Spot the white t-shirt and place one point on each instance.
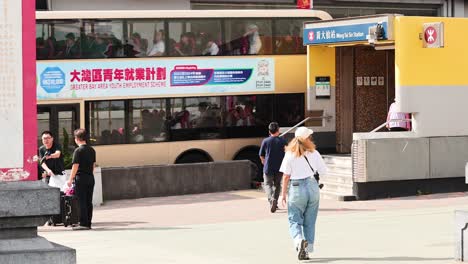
(255, 43)
(212, 50)
(298, 168)
(158, 47)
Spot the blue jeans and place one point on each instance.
(303, 204)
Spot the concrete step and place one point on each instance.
(337, 178)
(328, 195)
(344, 189)
(342, 161)
(339, 170)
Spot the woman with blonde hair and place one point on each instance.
(299, 165)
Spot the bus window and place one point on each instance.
(196, 112)
(145, 38)
(102, 39)
(288, 36)
(248, 37)
(248, 110)
(195, 37)
(247, 115)
(57, 39)
(294, 103)
(107, 122)
(195, 118)
(147, 120)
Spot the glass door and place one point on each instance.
(61, 120)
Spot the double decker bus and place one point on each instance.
(165, 87)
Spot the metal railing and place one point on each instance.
(327, 117)
(391, 120)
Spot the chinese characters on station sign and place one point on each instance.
(158, 77)
(352, 30)
(347, 33)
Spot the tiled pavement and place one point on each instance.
(236, 227)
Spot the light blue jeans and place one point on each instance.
(303, 204)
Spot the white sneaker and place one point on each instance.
(301, 250)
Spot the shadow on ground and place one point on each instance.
(402, 259)
(346, 210)
(172, 200)
(112, 226)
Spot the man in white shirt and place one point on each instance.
(211, 47)
(159, 47)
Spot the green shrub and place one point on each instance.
(67, 156)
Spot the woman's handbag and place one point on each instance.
(316, 174)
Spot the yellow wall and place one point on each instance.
(290, 73)
(419, 66)
(432, 83)
(321, 63)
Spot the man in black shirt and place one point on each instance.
(84, 160)
(50, 155)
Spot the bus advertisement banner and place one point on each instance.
(146, 77)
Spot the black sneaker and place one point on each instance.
(274, 206)
(301, 250)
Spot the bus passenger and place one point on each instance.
(255, 43)
(101, 47)
(210, 46)
(146, 124)
(51, 45)
(71, 48)
(42, 53)
(291, 43)
(185, 47)
(240, 116)
(159, 47)
(139, 45)
(248, 112)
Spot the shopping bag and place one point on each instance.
(59, 181)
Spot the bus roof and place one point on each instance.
(115, 14)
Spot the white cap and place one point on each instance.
(303, 132)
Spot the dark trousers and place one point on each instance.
(272, 185)
(84, 187)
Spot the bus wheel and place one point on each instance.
(252, 155)
(193, 157)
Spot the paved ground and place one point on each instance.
(236, 227)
